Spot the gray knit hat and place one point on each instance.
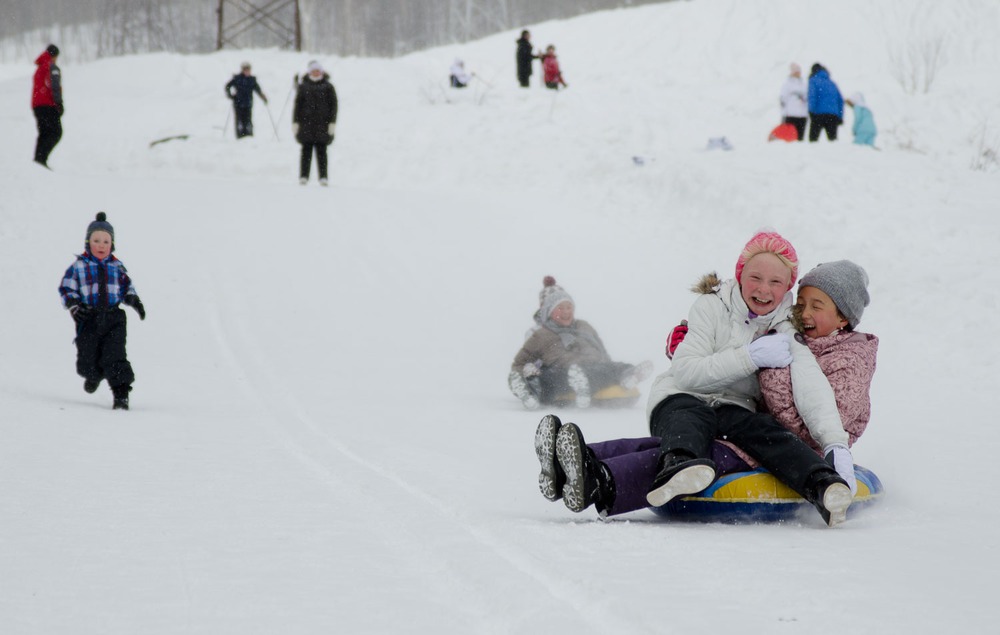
(100, 223)
(551, 296)
(847, 285)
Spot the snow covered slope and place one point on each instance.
(321, 437)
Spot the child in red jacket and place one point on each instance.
(550, 66)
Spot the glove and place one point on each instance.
(80, 312)
(265, 99)
(838, 456)
(295, 129)
(61, 109)
(531, 369)
(134, 302)
(771, 351)
(331, 128)
(676, 337)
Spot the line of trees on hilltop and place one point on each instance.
(378, 28)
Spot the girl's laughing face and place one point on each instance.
(764, 282)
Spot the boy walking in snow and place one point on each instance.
(92, 289)
(47, 104)
(241, 89)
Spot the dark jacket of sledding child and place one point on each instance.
(563, 354)
(92, 289)
(864, 123)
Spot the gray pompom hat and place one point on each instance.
(847, 285)
(100, 223)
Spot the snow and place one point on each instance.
(321, 438)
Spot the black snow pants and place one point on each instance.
(244, 122)
(686, 423)
(305, 163)
(49, 132)
(819, 123)
(100, 348)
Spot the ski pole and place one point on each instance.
(229, 113)
(295, 83)
(267, 107)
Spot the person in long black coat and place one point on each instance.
(314, 120)
(525, 57)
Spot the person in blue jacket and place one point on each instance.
(826, 105)
(241, 89)
(864, 123)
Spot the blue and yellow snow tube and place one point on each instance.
(756, 496)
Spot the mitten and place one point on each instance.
(79, 312)
(771, 351)
(61, 109)
(134, 302)
(840, 458)
(531, 369)
(295, 129)
(676, 337)
(331, 128)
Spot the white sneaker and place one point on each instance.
(303, 181)
(324, 182)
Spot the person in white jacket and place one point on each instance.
(710, 391)
(794, 103)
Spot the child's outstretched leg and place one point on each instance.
(551, 479)
(588, 481)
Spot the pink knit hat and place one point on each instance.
(769, 242)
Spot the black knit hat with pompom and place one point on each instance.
(100, 224)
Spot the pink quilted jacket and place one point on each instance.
(848, 361)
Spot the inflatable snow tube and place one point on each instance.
(611, 397)
(756, 496)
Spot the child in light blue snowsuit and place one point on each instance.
(864, 123)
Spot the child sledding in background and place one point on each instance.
(692, 406)
(562, 354)
(92, 289)
(864, 123)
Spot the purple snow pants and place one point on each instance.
(634, 464)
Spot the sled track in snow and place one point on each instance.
(305, 443)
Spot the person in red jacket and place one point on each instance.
(550, 67)
(47, 103)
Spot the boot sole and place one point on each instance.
(545, 450)
(569, 453)
(687, 481)
(836, 499)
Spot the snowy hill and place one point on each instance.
(321, 437)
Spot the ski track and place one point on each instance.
(284, 410)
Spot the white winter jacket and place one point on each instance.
(713, 364)
(794, 101)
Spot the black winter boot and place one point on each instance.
(121, 397)
(831, 496)
(551, 479)
(588, 481)
(680, 474)
(90, 385)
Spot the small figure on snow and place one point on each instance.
(459, 78)
(525, 56)
(564, 356)
(826, 105)
(550, 66)
(794, 107)
(240, 89)
(864, 123)
(314, 120)
(92, 289)
(47, 103)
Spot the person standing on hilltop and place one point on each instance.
(47, 103)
